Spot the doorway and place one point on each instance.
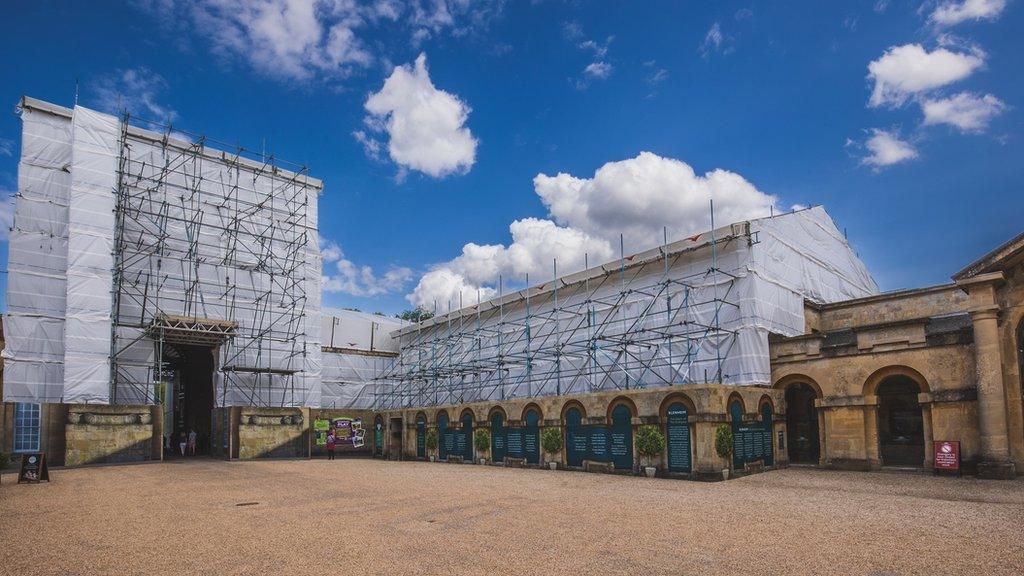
(802, 424)
(190, 402)
(900, 423)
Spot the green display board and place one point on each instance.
(751, 441)
(320, 429)
(445, 439)
(531, 437)
(421, 438)
(498, 437)
(677, 424)
(378, 437)
(600, 443)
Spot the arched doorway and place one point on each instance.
(465, 442)
(620, 435)
(804, 444)
(531, 438)
(900, 422)
(421, 436)
(498, 435)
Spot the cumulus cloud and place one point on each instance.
(637, 197)
(952, 12)
(886, 148)
(442, 286)
(362, 281)
(425, 126)
(600, 70)
(909, 70)
(136, 90)
(966, 111)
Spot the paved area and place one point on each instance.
(372, 517)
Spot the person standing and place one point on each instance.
(331, 440)
(192, 438)
(182, 443)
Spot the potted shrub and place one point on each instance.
(482, 442)
(431, 442)
(551, 442)
(650, 443)
(723, 446)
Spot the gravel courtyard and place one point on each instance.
(373, 517)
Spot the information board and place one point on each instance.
(421, 439)
(947, 455)
(677, 422)
(515, 443)
(531, 445)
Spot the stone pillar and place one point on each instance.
(984, 309)
(871, 446)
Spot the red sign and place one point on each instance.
(947, 455)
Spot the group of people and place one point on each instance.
(186, 442)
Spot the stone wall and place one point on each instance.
(99, 434)
(273, 433)
(709, 404)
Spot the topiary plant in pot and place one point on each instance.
(650, 443)
(723, 446)
(482, 442)
(551, 442)
(431, 442)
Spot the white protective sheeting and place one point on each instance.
(357, 345)
(87, 331)
(37, 262)
(644, 321)
(359, 330)
(348, 379)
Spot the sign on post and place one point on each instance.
(33, 468)
(947, 455)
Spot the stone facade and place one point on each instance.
(273, 433)
(101, 434)
(707, 403)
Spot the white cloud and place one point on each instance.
(637, 197)
(599, 70)
(909, 70)
(303, 40)
(965, 111)
(6, 147)
(441, 287)
(426, 127)
(136, 90)
(362, 281)
(712, 40)
(951, 12)
(887, 148)
(881, 6)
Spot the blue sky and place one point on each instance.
(918, 156)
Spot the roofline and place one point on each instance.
(209, 152)
(894, 294)
(991, 257)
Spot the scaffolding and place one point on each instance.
(214, 249)
(662, 318)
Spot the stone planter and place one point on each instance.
(431, 458)
(483, 461)
(650, 471)
(725, 474)
(553, 465)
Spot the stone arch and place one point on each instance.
(901, 430)
(882, 374)
(499, 410)
(765, 399)
(573, 404)
(791, 379)
(678, 457)
(805, 423)
(442, 412)
(621, 401)
(532, 406)
(421, 416)
(672, 399)
(733, 399)
(467, 410)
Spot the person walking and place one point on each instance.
(331, 440)
(192, 438)
(182, 443)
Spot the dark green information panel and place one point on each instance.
(677, 423)
(752, 441)
(446, 441)
(421, 439)
(378, 438)
(499, 437)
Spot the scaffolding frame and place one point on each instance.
(184, 247)
(577, 336)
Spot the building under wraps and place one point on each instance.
(160, 283)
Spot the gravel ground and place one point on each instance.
(372, 517)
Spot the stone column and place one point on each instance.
(871, 448)
(984, 309)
